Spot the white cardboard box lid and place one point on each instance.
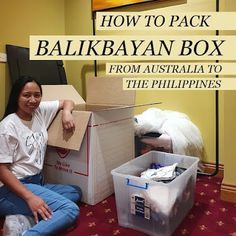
(60, 138)
(108, 91)
(71, 140)
(101, 91)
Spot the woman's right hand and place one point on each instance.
(39, 207)
(35, 203)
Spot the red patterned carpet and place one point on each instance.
(209, 217)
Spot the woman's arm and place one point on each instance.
(35, 203)
(67, 119)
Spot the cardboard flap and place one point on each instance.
(61, 92)
(97, 108)
(71, 140)
(109, 91)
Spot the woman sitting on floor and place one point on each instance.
(23, 141)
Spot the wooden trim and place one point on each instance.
(98, 5)
(210, 168)
(228, 193)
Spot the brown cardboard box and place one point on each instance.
(103, 138)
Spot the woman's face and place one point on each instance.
(28, 101)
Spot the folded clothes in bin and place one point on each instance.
(163, 173)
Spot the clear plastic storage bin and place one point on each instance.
(156, 208)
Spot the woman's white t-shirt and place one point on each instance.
(23, 144)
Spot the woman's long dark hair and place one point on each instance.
(12, 104)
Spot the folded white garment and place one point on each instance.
(163, 173)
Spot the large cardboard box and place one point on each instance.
(155, 208)
(103, 138)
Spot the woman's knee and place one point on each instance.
(78, 191)
(72, 210)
